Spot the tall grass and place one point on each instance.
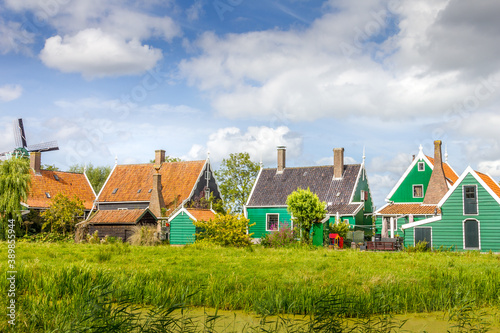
(55, 281)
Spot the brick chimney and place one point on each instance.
(159, 157)
(281, 158)
(437, 187)
(338, 162)
(156, 203)
(36, 162)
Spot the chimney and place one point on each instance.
(437, 187)
(156, 203)
(338, 162)
(281, 158)
(159, 157)
(36, 162)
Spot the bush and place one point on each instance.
(224, 230)
(282, 238)
(144, 236)
(420, 247)
(340, 228)
(47, 237)
(94, 238)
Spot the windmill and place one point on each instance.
(23, 149)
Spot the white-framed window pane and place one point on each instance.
(418, 191)
(272, 222)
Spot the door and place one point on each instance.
(471, 234)
(423, 234)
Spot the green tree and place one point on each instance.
(224, 230)
(169, 159)
(306, 209)
(63, 213)
(97, 175)
(236, 177)
(50, 167)
(15, 183)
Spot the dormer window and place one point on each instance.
(150, 190)
(139, 191)
(47, 194)
(115, 190)
(56, 177)
(421, 166)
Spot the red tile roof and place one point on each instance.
(409, 208)
(117, 216)
(201, 214)
(69, 184)
(490, 182)
(448, 171)
(177, 178)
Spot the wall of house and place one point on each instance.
(258, 216)
(182, 230)
(363, 186)
(119, 231)
(404, 193)
(199, 190)
(449, 230)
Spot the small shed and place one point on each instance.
(120, 223)
(182, 229)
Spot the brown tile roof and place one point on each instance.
(178, 180)
(69, 184)
(117, 216)
(201, 214)
(272, 189)
(490, 182)
(448, 171)
(409, 208)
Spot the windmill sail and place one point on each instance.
(19, 134)
(46, 146)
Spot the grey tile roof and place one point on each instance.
(272, 188)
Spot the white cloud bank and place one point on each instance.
(10, 92)
(96, 54)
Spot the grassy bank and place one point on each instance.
(57, 280)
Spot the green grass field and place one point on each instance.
(57, 283)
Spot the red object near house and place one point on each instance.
(337, 240)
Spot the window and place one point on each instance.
(207, 175)
(418, 191)
(362, 196)
(207, 193)
(421, 166)
(56, 177)
(139, 191)
(150, 190)
(471, 235)
(470, 199)
(115, 190)
(272, 222)
(47, 195)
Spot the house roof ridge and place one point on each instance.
(313, 166)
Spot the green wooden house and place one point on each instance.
(405, 202)
(469, 220)
(344, 188)
(182, 229)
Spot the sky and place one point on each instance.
(115, 79)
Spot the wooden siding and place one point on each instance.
(449, 230)
(404, 193)
(125, 205)
(182, 230)
(363, 186)
(258, 216)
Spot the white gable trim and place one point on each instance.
(356, 184)
(182, 210)
(197, 181)
(467, 171)
(420, 156)
(421, 222)
(253, 187)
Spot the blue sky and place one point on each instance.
(113, 78)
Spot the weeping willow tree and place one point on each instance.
(14, 187)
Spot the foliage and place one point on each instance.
(168, 159)
(33, 222)
(306, 209)
(225, 230)
(47, 237)
(63, 213)
(142, 235)
(282, 238)
(236, 177)
(212, 203)
(15, 183)
(340, 227)
(97, 175)
(94, 238)
(420, 247)
(50, 167)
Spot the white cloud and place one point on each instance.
(96, 54)
(14, 38)
(194, 12)
(490, 167)
(334, 68)
(259, 142)
(10, 92)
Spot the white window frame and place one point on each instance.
(414, 243)
(362, 195)
(413, 191)
(478, 234)
(421, 168)
(267, 216)
(463, 200)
